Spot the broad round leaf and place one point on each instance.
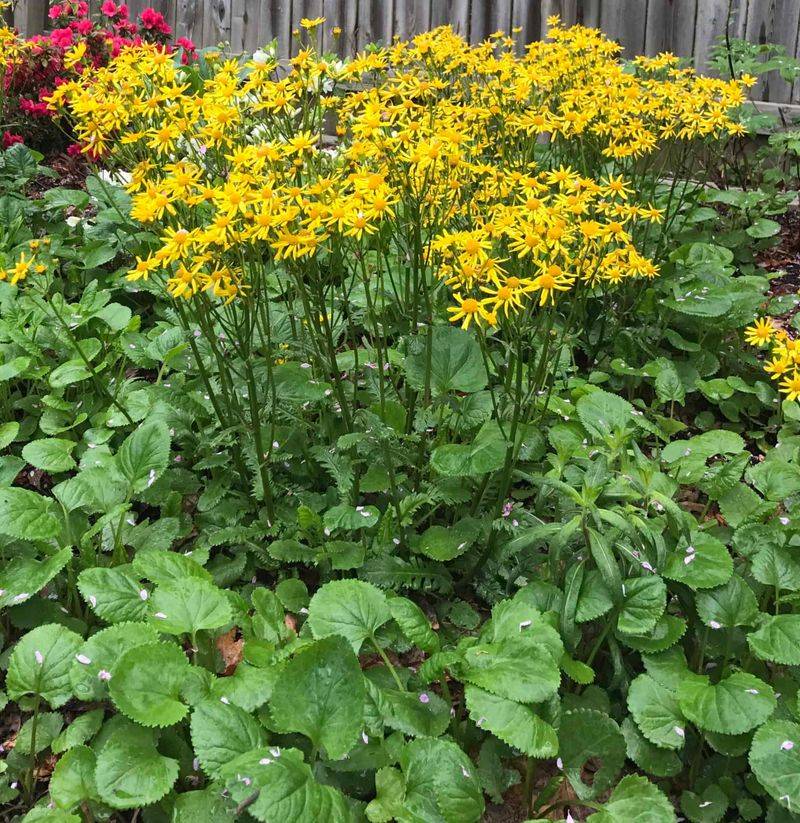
(51, 454)
(26, 515)
(649, 758)
(320, 693)
(777, 639)
(100, 654)
(584, 735)
(22, 577)
(702, 563)
(455, 364)
(735, 705)
(644, 601)
(448, 542)
(350, 608)
(635, 800)
(414, 624)
(221, 732)
(514, 723)
(733, 604)
(656, 712)
(72, 781)
(188, 606)
(40, 664)
(775, 761)
(130, 771)
(115, 594)
(144, 455)
(146, 682)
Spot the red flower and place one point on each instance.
(109, 8)
(153, 20)
(10, 139)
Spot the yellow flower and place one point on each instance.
(467, 310)
(760, 333)
(790, 386)
(309, 23)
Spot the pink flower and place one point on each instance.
(54, 12)
(109, 8)
(153, 20)
(10, 139)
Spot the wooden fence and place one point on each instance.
(686, 27)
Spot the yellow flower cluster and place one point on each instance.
(784, 364)
(509, 175)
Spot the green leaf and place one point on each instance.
(775, 479)
(645, 599)
(414, 624)
(456, 363)
(441, 783)
(594, 599)
(635, 800)
(130, 772)
(144, 455)
(445, 543)
(8, 433)
(656, 712)
(350, 608)
(777, 639)
(26, 515)
(514, 723)
(68, 373)
(762, 227)
(775, 761)
(725, 607)
(735, 705)
(114, 594)
(703, 563)
(52, 454)
(351, 517)
(515, 668)
(201, 806)
(486, 453)
(667, 632)
(22, 577)
(220, 732)
(775, 566)
(146, 683)
(588, 735)
(390, 789)
(72, 781)
(648, 757)
(101, 652)
(188, 606)
(320, 693)
(286, 788)
(40, 664)
(167, 566)
(409, 714)
(603, 413)
(708, 807)
(84, 727)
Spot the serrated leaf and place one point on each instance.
(130, 772)
(221, 732)
(84, 727)
(40, 664)
(407, 713)
(146, 684)
(644, 601)
(167, 567)
(286, 788)
(143, 456)
(648, 757)
(72, 781)
(702, 563)
(707, 807)
(514, 723)
(666, 633)
(455, 364)
(515, 668)
(51, 454)
(352, 609)
(603, 413)
(320, 693)
(584, 735)
(100, 654)
(114, 594)
(735, 705)
(635, 800)
(593, 599)
(445, 543)
(26, 515)
(777, 639)
(188, 606)
(413, 623)
(733, 604)
(774, 566)
(441, 783)
(775, 761)
(22, 577)
(656, 712)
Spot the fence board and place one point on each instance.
(688, 28)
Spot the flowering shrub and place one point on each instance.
(77, 45)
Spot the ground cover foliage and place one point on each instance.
(429, 473)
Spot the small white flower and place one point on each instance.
(705, 804)
(714, 624)
(396, 541)
(160, 615)
(424, 698)
(524, 624)
(480, 721)
(275, 752)
(688, 559)
(92, 600)
(195, 764)
(679, 731)
(464, 772)
(151, 478)
(224, 700)
(83, 659)
(752, 691)
(143, 594)
(275, 445)
(21, 596)
(365, 738)
(787, 745)
(784, 521)
(104, 675)
(559, 764)
(265, 761)
(690, 550)
(39, 657)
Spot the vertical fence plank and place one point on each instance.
(189, 21)
(625, 23)
(773, 21)
(30, 17)
(589, 12)
(526, 19)
(713, 18)
(684, 27)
